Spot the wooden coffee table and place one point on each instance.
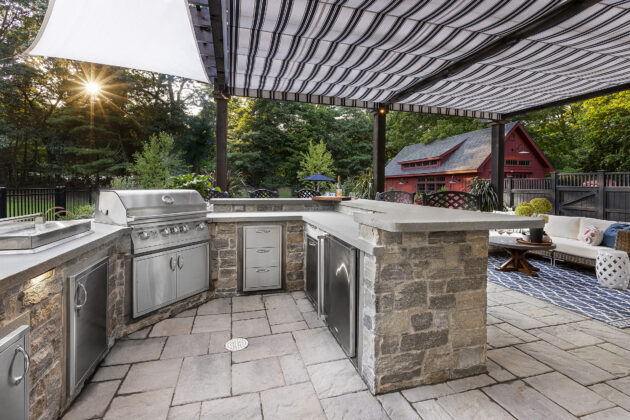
(518, 251)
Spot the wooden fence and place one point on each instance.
(602, 195)
(23, 201)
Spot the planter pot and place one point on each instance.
(536, 235)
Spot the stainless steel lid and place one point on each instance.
(122, 207)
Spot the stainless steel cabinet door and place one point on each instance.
(154, 279)
(192, 271)
(88, 335)
(14, 386)
(340, 293)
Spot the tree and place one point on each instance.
(157, 162)
(317, 160)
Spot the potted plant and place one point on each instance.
(537, 207)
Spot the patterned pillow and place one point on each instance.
(593, 236)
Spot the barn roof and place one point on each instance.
(474, 149)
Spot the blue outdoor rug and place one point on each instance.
(576, 290)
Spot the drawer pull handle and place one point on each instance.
(172, 264)
(263, 231)
(262, 251)
(180, 262)
(262, 270)
(27, 365)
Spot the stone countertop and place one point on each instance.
(337, 224)
(35, 263)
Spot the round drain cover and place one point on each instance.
(236, 344)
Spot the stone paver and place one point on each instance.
(293, 369)
(562, 361)
(211, 323)
(133, 351)
(203, 378)
(498, 373)
(600, 330)
(186, 345)
(524, 402)
(610, 362)
(291, 402)
(216, 307)
(292, 326)
(517, 362)
(430, 409)
(335, 378)
(149, 376)
(266, 346)
(515, 318)
(472, 405)
(217, 342)
(304, 305)
(279, 301)
(500, 338)
(107, 373)
(612, 394)
(284, 315)
(427, 392)
(93, 401)
(615, 413)
(152, 405)
(247, 303)
(565, 337)
(185, 412)
(172, 326)
(397, 407)
(361, 405)
(246, 407)
(140, 334)
(317, 346)
(239, 316)
(187, 313)
(575, 398)
(471, 382)
(250, 328)
(312, 320)
(622, 384)
(257, 375)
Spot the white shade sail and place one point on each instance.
(152, 35)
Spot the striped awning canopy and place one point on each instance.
(477, 58)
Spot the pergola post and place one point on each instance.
(378, 149)
(221, 139)
(498, 159)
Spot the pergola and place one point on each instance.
(486, 59)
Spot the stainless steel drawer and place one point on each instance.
(262, 236)
(262, 257)
(262, 278)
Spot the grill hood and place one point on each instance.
(125, 207)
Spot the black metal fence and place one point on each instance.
(602, 195)
(23, 201)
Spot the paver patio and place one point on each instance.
(544, 362)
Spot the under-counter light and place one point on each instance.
(41, 277)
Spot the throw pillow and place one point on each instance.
(610, 235)
(592, 236)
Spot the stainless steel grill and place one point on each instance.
(160, 219)
(170, 240)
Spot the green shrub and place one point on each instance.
(524, 209)
(483, 188)
(123, 183)
(200, 183)
(157, 162)
(541, 205)
(84, 211)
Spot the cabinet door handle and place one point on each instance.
(81, 287)
(180, 262)
(263, 231)
(27, 365)
(262, 270)
(172, 264)
(263, 251)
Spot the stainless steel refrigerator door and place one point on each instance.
(14, 366)
(312, 262)
(88, 329)
(340, 294)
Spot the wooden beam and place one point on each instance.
(570, 100)
(497, 164)
(378, 148)
(558, 15)
(217, 19)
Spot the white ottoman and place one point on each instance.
(613, 268)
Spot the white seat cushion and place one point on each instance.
(600, 224)
(563, 227)
(575, 247)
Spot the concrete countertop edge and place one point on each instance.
(86, 244)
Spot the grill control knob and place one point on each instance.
(165, 231)
(144, 235)
(174, 229)
(184, 228)
(201, 226)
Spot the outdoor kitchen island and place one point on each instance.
(421, 278)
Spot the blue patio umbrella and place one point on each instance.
(317, 178)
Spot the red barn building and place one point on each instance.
(454, 161)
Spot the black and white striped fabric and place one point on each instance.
(361, 52)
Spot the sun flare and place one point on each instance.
(93, 88)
